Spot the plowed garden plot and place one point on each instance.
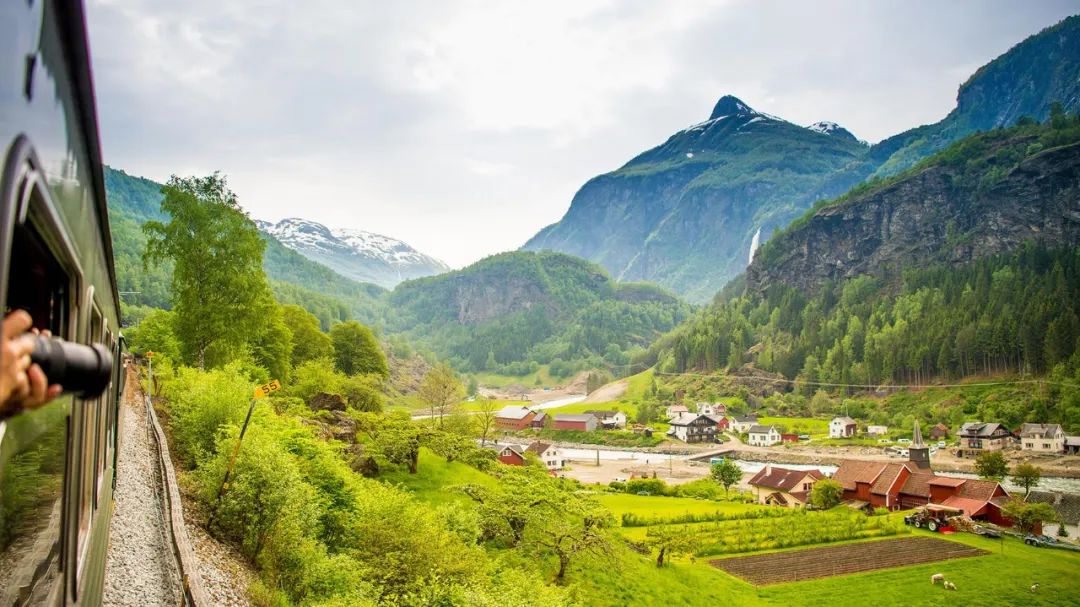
(798, 565)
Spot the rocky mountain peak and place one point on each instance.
(730, 105)
(831, 128)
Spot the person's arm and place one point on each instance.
(23, 385)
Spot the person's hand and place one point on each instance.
(23, 385)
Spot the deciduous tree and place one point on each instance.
(441, 390)
(992, 465)
(486, 410)
(826, 493)
(1026, 516)
(309, 342)
(726, 473)
(1027, 476)
(220, 294)
(357, 351)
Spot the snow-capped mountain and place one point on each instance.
(360, 255)
(831, 128)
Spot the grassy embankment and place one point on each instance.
(628, 578)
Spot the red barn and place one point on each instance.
(789, 438)
(512, 455)
(567, 421)
(514, 418)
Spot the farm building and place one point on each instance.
(977, 437)
(743, 424)
(939, 432)
(1072, 445)
(877, 430)
(842, 427)
(512, 455)
(762, 436)
(539, 420)
(549, 454)
(693, 428)
(514, 418)
(1067, 506)
(1042, 438)
(575, 421)
(609, 419)
(789, 438)
(783, 486)
(900, 486)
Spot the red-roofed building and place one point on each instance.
(900, 486)
(512, 455)
(783, 486)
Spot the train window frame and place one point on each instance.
(26, 203)
(85, 501)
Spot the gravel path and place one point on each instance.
(141, 569)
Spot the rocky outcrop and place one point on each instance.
(937, 214)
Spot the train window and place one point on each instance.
(90, 411)
(33, 446)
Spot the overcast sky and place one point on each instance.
(465, 127)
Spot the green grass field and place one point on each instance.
(991, 580)
(543, 374)
(434, 475)
(798, 425)
(657, 506)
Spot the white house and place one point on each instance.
(693, 428)
(1042, 438)
(842, 427)
(762, 436)
(609, 419)
(743, 424)
(877, 430)
(549, 454)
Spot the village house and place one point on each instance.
(877, 430)
(977, 437)
(575, 421)
(901, 486)
(722, 423)
(609, 420)
(762, 436)
(842, 427)
(549, 454)
(939, 432)
(693, 428)
(675, 410)
(512, 455)
(742, 424)
(1042, 438)
(514, 418)
(715, 409)
(783, 486)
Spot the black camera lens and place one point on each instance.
(84, 371)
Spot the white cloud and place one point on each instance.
(464, 127)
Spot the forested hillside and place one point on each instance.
(818, 309)
(513, 311)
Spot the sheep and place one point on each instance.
(1034, 588)
(937, 577)
(949, 585)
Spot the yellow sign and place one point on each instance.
(149, 354)
(266, 389)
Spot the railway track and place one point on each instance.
(150, 559)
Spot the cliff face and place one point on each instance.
(684, 213)
(938, 213)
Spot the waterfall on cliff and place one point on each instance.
(754, 245)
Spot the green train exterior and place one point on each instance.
(57, 464)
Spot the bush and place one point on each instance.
(651, 486)
(617, 486)
(201, 402)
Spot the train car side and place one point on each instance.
(57, 464)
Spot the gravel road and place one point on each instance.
(141, 569)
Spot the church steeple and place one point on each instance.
(918, 452)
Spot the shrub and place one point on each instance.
(651, 486)
(201, 402)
